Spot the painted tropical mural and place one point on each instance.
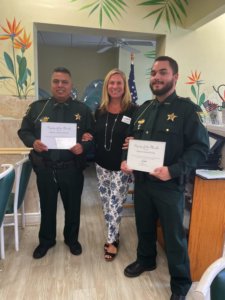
(172, 10)
(16, 74)
(15, 66)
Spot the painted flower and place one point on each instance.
(16, 64)
(23, 43)
(12, 31)
(195, 83)
(194, 78)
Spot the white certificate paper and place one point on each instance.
(145, 155)
(59, 135)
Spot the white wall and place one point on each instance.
(84, 63)
(202, 50)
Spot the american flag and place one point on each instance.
(210, 106)
(132, 85)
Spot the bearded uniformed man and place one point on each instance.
(58, 171)
(160, 194)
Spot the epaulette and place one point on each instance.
(77, 100)
(187, 100)
(39, 101)
(147, 101)
(43, 100)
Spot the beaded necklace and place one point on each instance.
(108, 148)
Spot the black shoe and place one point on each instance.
(75, 248)
(177, 297)
(135, 269)
(41, 251)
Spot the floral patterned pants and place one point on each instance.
(113, 188)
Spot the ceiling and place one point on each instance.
(65, 39)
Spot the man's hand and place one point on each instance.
(77, 149)
(86, 137)
(161, 173)
(39, 146)
(126, 142)
(124, 167)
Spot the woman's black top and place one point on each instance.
(110, 133)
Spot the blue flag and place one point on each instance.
(132, 85)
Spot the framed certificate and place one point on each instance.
(59, 135)
(145, 155)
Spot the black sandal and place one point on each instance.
(109, 256)
(106, 245)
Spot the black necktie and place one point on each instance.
(59, 108)
(152, 117)
(59, 117)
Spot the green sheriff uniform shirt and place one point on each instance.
(48, 110)
(176, 121)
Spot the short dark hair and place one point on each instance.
(62, 70)
(173, 64)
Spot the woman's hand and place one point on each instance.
(77, 149)
(86, 137)
(124, 167)
(126, 142)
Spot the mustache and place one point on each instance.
(157, 81)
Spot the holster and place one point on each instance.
(38, 162)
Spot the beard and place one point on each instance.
(164, 90)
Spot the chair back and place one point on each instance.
(6, 183)
(217, 289)
(212, 283)
(24, 179)
(23, 170)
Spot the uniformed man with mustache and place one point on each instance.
(58, 171)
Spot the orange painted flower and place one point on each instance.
(23, 43)
(12, 31)
(194, 78)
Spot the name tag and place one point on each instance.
(126, 120)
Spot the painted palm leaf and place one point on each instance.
(110, 8)
(172, 10)
(151, 55)
(5, 77)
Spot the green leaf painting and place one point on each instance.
(112, 9)
(151, 55)
(172, 10)
(9, 62)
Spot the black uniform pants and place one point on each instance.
(69, 182)
(163, 201)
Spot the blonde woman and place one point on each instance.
(112, 121)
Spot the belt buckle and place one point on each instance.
(60, 165)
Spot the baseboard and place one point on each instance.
(31, 218)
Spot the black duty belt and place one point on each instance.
(59, 164)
